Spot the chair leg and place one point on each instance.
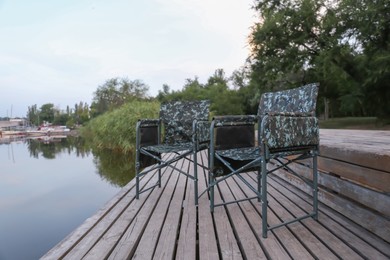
(315, 187)
(137, 184)
(137, 168)
(259, 185)
(195, 178)
(264, 204)
(159, 176)
(211, 185)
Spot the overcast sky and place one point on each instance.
(60, 51)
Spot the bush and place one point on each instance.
(115, 130)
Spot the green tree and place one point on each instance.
(33, 115)
(47, 113)
(343, 44)
(162, 94)
(115, 92)
(61, 119)
(224, 100)
(81, 113)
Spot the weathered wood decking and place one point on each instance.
(165, 224)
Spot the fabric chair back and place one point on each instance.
(289, 118)
(298, 100)
(178, 117)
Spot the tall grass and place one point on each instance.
(115, 130)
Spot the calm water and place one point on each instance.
(49, 189)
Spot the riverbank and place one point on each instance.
(9, 136)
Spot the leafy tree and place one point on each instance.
(223, 99)
(81, 113)
(47, 112)
(164, 93)
(33, 115)
(115, 92)
(343, 44)
(61, 119)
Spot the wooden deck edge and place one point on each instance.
(363, 216)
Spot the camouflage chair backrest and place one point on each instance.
(298, 100)
(178, 117)
(300, 127)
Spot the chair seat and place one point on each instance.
(181, 130)
(168, 148)
(240, 154)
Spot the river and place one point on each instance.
(48, 188)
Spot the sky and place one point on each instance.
(60, 52)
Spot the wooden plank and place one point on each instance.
(367, 218)
(186, 246)
(376, 179)
(298, 241)
(348, 189)
(366, 148)
(99, 233)
(357, 237)
(69, 242)
(295, 206)
(167, 241)
(355, 229)
(358, 193)
(248, 241)
(359, 157)
(226, 238)
(376, 142)
(367, 177)
(150, 237)
(208, 248)
(102, 245)
(129, 241)
(272, 247)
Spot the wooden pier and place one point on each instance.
(165, 224)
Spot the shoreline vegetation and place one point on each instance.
(358, 123)
(115, 130)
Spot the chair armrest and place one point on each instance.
(283, 132)
(201, 130)
(234, 120)
(148, 122)
(296, 114)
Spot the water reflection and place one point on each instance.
(115, 167)
(49, 187)
(49, 148)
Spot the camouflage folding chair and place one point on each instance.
(287, 132)
(186, 131)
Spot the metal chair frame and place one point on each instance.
(273, 145)
(150, 148)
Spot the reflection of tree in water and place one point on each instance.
(49, 150)
(115, 167)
